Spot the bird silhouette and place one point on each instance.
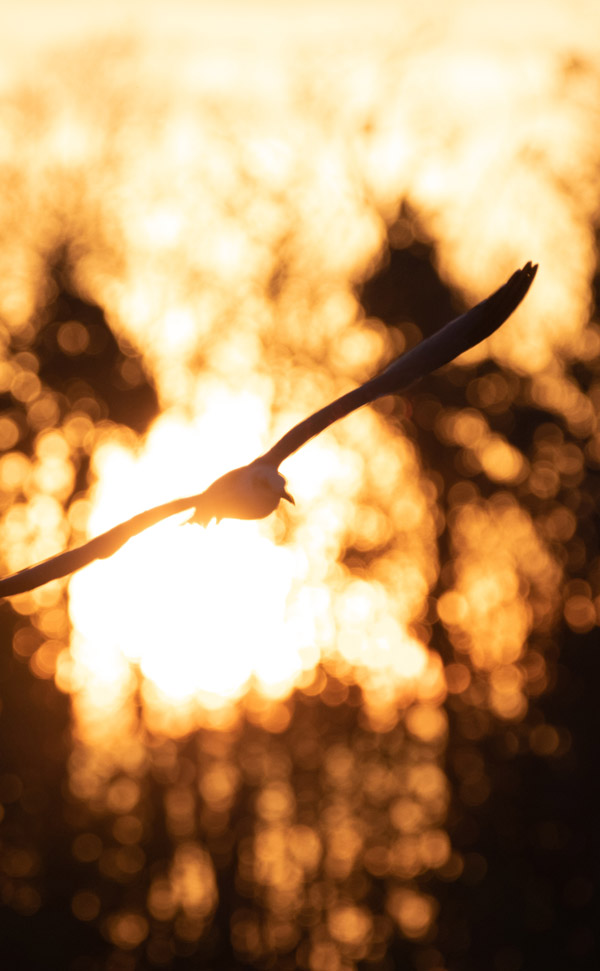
(255, 490)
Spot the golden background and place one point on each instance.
(269, 735)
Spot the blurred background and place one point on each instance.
(361, 735)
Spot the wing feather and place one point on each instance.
(98, 548)
(454, 338)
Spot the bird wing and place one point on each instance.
(443, 346)
(100, 547)
(456, 337)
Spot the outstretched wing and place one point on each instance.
(449, 342)
(454, 338)
(100, 547)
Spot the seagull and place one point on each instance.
(255, 490)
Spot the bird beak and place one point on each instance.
(285, 495)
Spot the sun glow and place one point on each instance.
(236, 285)
(194, 212)
(209, 612)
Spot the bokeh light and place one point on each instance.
(197, 223)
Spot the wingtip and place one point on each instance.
(517, 286)
(530, 269)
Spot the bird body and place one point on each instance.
(255, 490)
(251, 492)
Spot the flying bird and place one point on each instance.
(254, 491)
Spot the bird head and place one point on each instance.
(252, 492)
(264, 488)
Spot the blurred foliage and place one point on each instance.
(295, 824)
(416, 785)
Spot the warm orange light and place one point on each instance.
(222, 205)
